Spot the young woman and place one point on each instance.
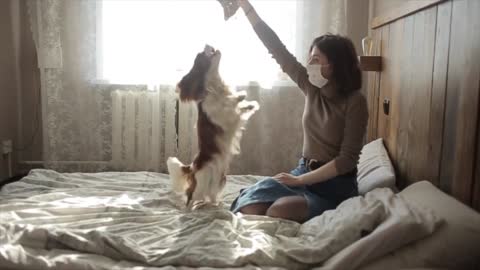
(334, 124)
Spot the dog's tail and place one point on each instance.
(178, 174)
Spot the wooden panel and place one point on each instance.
(373, 86)
(384, 90)
(403, 98)
(440, 66)
(402, 10)
(395, 62)
(420, 94)
(459, 141)
(431, 74)
(408, 54)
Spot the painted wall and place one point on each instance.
(8, 82)
(30, 108)
(20, 111)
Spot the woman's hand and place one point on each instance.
(288, 179)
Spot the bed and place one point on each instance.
(113, 220)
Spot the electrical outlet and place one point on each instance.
(6, 147)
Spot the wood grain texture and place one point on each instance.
(418, 100)
(406, 73)
(431, 74)
(439, 85)
(373, 87)
(384, 89)
(402, 10)
(393, 82)
(461, 119)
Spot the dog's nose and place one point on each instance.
(209, 50)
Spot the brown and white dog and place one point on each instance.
(222, 115)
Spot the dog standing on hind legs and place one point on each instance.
(222, 116)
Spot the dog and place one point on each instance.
(222, 116)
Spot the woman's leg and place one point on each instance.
(292, 208)
(255, 209)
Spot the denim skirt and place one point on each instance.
(320, 197)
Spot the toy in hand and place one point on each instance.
(229, 8)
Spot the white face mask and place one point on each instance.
(315, 75)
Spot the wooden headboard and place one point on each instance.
(430, 79)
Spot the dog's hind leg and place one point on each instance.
(192, 184)
(216, 192)
(178, 174)
(201, 191)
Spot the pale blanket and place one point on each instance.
(74, 221)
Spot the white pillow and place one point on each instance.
(374, 168)
(455, 245)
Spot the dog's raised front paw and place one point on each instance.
(240, 95)
(249, 106)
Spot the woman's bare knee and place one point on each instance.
(255, 209)
(292, 208)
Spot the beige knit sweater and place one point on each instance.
(333, 125)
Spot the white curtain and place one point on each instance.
(318, 17)
(83, 113)
(75, 115)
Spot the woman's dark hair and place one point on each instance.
(342, 56)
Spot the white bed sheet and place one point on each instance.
(74, 221)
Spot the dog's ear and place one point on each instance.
(192, 85)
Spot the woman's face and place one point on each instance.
(318, 58)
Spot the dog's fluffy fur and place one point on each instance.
(222, 115)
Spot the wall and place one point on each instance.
(29, 111)
(357, 22)
(357, 28)
(431, 77)
(383, 6)
(20, 110)
(8, 83)
(30, 136)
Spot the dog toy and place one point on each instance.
(230, 7)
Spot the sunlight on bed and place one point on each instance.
(258, 242)
(123, 200)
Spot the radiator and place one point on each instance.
(144, 133)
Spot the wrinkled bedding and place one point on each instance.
(113, 220)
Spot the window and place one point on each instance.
(147, 41)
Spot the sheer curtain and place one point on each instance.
(108, 71)
(74, 114)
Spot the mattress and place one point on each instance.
(112, 220)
